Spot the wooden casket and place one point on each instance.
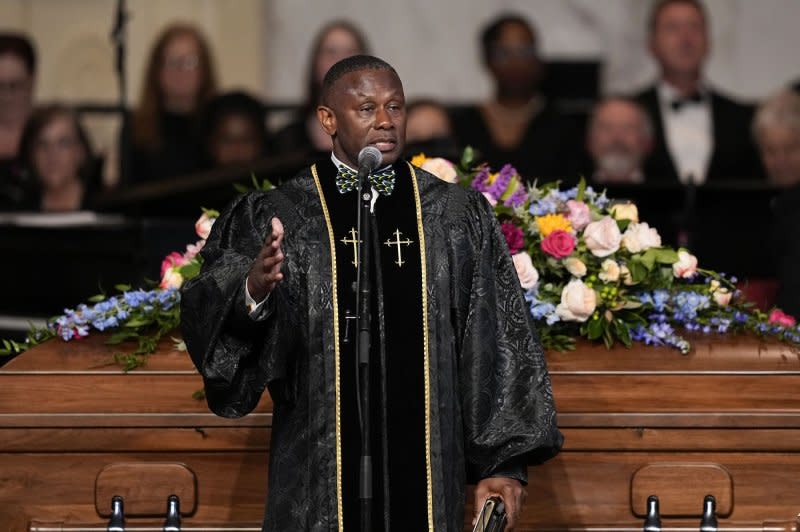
(76, 430)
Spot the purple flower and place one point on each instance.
(501, 182)
(479, 183)
(518, 198)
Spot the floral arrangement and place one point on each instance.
(591, 268)
(143, 316)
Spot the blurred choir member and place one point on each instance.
(777, 131)
(179, 80)
(56, 152)
(334, 42)
(17, 77)
(234, 129)
(429, 131)
(700, 135)
(776, 128)
(517, 125)
(619, 138)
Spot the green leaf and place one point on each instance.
(623, 224)
(649, 259)
(666, 256)
(97, 299)
(138, 322)
(467, 158)
(594, 329)
(638, 271)
(120, 336)
(189, 270)
(241, 189)
(199, 394)
(622, 332)
(608, 339)
(581, 189)
(211, 213)
(122, 287)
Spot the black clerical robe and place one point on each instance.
(479, 388)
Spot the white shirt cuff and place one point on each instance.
(256, 311)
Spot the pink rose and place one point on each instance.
(686, 266)
(778, 317)
(491, 199)
(514, 237)
(602, 237)
(193, 249)
(722, 297)
(559, 244)
(171, 279)
(579, 215)
(203, 225)
(578, 302)
(441, 168)
(172, 260)
(526, 271)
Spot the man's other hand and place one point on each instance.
(508, 489)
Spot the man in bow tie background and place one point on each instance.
(460, 391)
(700, 135)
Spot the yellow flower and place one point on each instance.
(552, 222)
(418, 160)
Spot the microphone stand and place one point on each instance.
(363, 342)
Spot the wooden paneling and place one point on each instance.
(145, 488)
(679, 486)
(635, 421)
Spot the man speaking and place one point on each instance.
(459, 389)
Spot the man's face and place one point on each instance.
(679, 41)
(618, 140)
(366, 108)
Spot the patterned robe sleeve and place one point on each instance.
(507, 404)
(238, 357)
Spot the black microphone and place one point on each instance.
(369, 159)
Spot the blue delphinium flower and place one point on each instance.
(543, 206)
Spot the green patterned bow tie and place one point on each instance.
(383, 181)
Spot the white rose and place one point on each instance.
(609, 271)
(640, 237)
(575, 266)
(526, 271)
(722, 297)
(602, 237)
(441, 168)
(172, 279)
(203, 226)
(625, 211)
(578, 301)
(686, 266)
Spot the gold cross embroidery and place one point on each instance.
(355, 241)
(397, 242)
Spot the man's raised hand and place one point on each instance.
(266, 270)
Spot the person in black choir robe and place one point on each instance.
(699, 134)
(518, 126)
(460, 386)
